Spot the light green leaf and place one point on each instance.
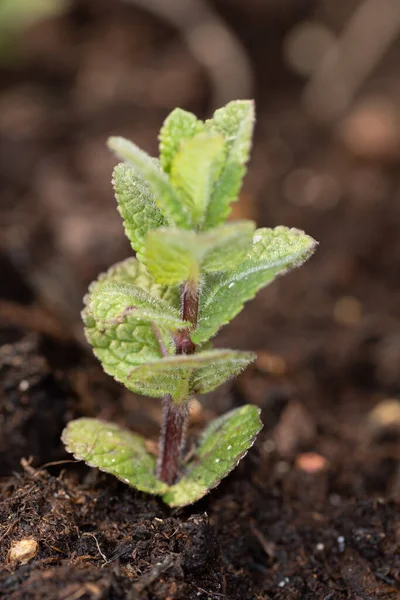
(274, 252)
(230, 246)
(148, 169)
(137, 206)
(195, 170)
(132, 271)
(123, 454)
(113, 302)
(113, 450)
(174, 255)
(223, 444)
(235, 122)
(169, 373)
(121, 347)
(210, 376)
(132, 340)
(178, 126)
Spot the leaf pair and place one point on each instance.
(124, 455)
(131, 331)
(174, 256)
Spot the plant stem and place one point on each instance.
(172, 439)
(175, 417)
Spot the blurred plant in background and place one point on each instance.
(17, 15)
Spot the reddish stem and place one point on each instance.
(175, 418)
(172, 439)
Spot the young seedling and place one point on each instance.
(150, 318)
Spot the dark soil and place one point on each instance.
(286, 524)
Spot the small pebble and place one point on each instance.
(348, 311)
(22, 551)
(23, 385)
(385, 415)
(341, 543)
(372, 130)
(311, 462)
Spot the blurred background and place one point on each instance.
(325, 76)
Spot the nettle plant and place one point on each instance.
(150, 319)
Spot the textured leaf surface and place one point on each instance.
(274, 251)
(114, 450)
(172, 255)
(175, 255)
(148, 169)
(133, 340)
(178, 126)
(208, 369)
(195, 170)
(235, 122)
(137, 206)
(232, 242)
(208, 377)
(113, 302)
(123, 454)
(222, 445)
(131, 271)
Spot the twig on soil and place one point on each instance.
(33, 318)
(367, 36)
(26, 465)
(103, 556)
(148, 578)
(9, 528)
(211, 42)
(216, 594)
(268, 547)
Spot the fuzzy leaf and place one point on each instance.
(137, 206)
(223, 444)
(195, 170)
(171, 255)
(274, 252)
(133, 339)
(232, 242)
(178, 126)
(113, 450)
(168, 373)
(131, 271)
(235, 122)
(112, 302)
(210, 376)
(148, 169)
(174, 255)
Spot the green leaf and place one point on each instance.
(223, 444)
(210, 376)
(132, 271)
(113, 302)
(235, 122)
(133, 339)
(178, 126)
(123, 454)
(113, 450)
(274, 252)
(195, 170)
(230, 246)
(137, 206)
(174, 255)
(208, 370)
(148, 169)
